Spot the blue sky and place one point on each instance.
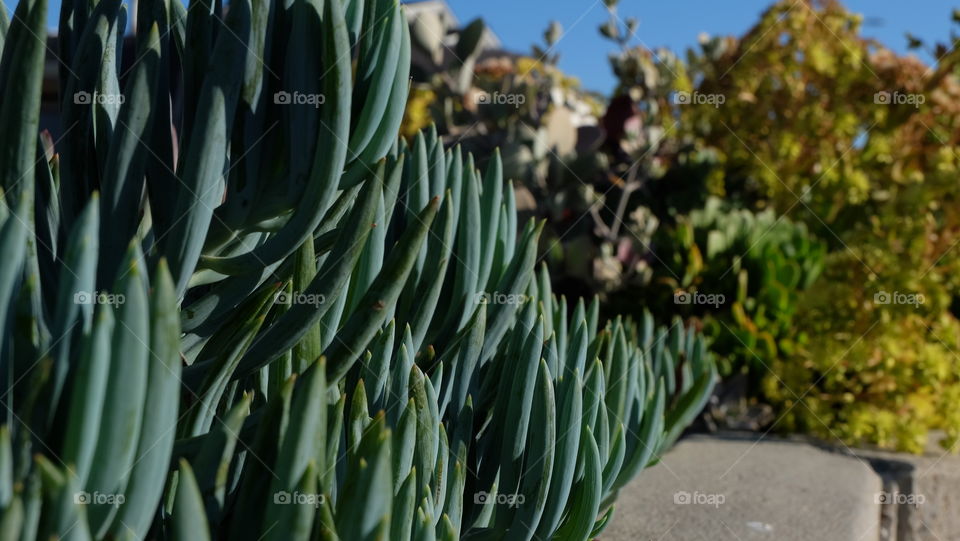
(674, 24)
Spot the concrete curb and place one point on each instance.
(921, 495)
(718, 488)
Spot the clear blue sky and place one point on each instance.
(674, 24)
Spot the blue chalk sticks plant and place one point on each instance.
(235, 305)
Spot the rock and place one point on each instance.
(719, 488)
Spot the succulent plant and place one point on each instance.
(236, 306)
(756, 266)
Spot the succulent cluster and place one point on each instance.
(756, 267)
(236, 306)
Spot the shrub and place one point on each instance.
(742, 274)
(834, 131)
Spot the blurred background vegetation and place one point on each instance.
(791, 191)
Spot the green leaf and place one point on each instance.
(404, 506)
(567, 448)
(88, 395)
(384, 70)
(11, 519)
(490, 216)
(427, 294)
(689, 406)
(6, 467)
(212, 462)
(188, 521)
(467, 252)
(206, 155)
(13, 243)
(310, 346)
(79, 82)
(290, 516)
(538, 468)
(21, 81)
(380, 297)
(363, 511)
(404, 444)
(75, 293)
(586, 494)
(123, 409)
(514, 282)
(428, 439)
(329, 158)
(643, 443)
(328, 284)
(123, 178)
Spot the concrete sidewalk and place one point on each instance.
(720, 488)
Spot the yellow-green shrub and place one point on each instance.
(803, 131)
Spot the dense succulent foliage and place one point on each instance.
(236, 306)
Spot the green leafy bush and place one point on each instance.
(879, 362)
(742, 274)
(260, 315)
(832, 130)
